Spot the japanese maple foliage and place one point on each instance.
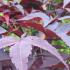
(20, 16)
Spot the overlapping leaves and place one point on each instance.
(21, 49)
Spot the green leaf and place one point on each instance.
(58, 1)
(66, 21)
(1, 14)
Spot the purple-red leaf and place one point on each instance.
(41, 15)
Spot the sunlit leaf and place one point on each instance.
(53, 26)
(17, 1)
(5, 2)
(20, 8)
(7, 41)
(68, 9)
(65, 2)
(65, 38)
(65, 28)
(64, 17)
(2, 30)
(46, 46)
(19, 55)
(62, 31)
